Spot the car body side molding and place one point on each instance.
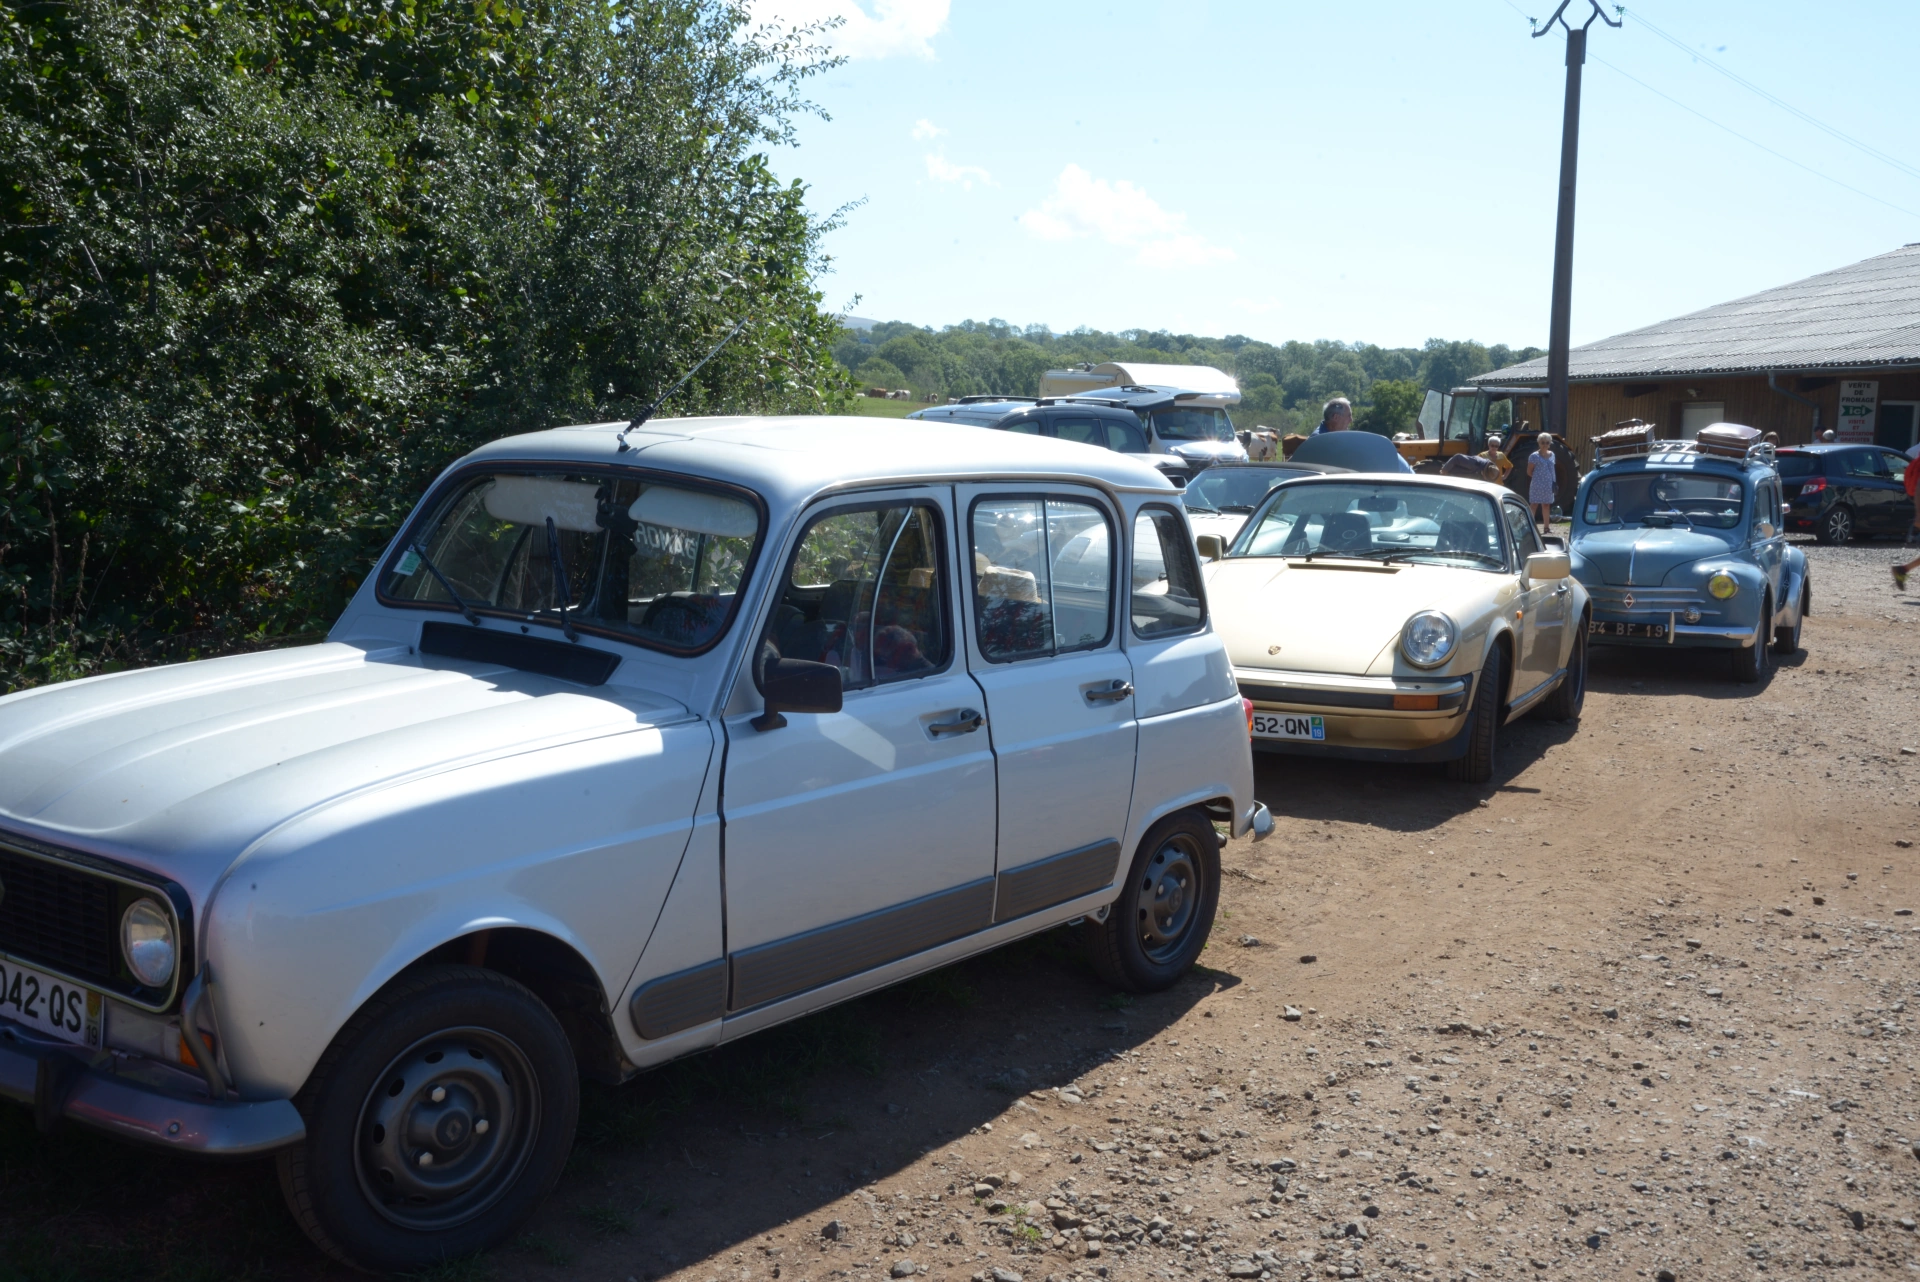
(1055, 879)
(667, 1005)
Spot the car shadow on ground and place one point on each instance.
(1397, 797)
(701, 1157)
(1642, 671)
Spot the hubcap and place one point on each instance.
(1839, 525)
(1169, 899)
(446, 1128)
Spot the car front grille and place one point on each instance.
(61, 918)
(1612, 600)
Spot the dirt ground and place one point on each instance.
(1638, 1008)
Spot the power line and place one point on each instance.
(1777, 101)
(1762, 146)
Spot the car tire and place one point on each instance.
(437, 1121)
(1836, 527)
(1750, 665)
(1787, 640)
(1570, 695)
(1483, 733)
(1155, 930)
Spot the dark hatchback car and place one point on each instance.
(1840, 492)
(1112, 429)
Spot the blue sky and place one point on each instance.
(1380, 171)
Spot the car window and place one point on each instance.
(1377, 520)
(1890, 465)
(652, 562)
(1166, 576)
(1042, 577)
(1665, 499)
(1864, 463)
(863, 593)
(1029, 426)
(1232, 489)
(1526, 540)
(1766, 508)
(1193, 425)
(1083, 431)
(1791, 464)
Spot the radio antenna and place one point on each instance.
(646, 411)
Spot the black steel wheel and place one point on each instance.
(437, 1121)
(1836, 527)
(1155, 930)
(1751, 664)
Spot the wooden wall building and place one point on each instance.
(1839, 351)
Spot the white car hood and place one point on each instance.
(1306, 618)
(179, 769)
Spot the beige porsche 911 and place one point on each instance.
(1397, 618)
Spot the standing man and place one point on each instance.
(1337, 416)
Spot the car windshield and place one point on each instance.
(1663, 499)
(1193, 425)
(653, 562)
(1232, 489)
(1793, 465)
(1381, 521)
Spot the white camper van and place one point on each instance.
(1182, 407)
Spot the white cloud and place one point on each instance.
(1119, 213)
(924, 129)
(892, 27)
(940, 169)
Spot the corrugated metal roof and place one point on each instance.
(1866, 314)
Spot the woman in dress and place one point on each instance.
(1540, 488)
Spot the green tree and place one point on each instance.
(1393, 404)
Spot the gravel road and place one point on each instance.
(1639, 1008)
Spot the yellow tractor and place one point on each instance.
(1458, 422)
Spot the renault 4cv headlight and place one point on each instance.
(1722, 585)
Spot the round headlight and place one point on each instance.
(1428, 639)
(1722, 585)
(146, 941)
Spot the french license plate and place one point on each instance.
(53, 1006)
(1602, 628)
(1288, 725)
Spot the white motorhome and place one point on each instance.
(1204, 379)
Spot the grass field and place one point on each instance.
(874, 407)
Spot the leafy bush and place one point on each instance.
(266, 270)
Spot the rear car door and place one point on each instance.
(1043, 642)
(1892, 512)
(858, 837)
(1768, 535)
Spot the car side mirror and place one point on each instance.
(1786, 509)
(1554, 541)
(1544, 567)
(1211, 546)
(793, 685)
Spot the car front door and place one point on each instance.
(857, 837)
(1043, 642)
(1892, 513)
(1541, 628)
(1767, 529)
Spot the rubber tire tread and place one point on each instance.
(1750, 665)
(296, 1176)
(1567, 699)
(1114, 950)
(1475, 765)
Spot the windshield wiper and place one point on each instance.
(562, 595)
(445, 583)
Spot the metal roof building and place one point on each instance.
(1838, 351)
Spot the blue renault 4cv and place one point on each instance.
(1682, 543)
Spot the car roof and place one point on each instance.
(1687, 460)
(1425, 479)
(790, 458)
(1829, 447)
(977, 412)
(1274, 465)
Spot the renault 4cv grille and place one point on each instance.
(60, 918)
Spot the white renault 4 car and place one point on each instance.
(636, 742)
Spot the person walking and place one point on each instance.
(1540, 487)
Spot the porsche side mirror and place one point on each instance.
(1211, 546)
(1544, 567)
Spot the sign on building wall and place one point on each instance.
(1859, 398)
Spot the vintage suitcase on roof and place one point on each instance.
(1631, 439)
(1727, 440)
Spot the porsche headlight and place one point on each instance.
(146, 941)
(1428, 639)
(1722, 585)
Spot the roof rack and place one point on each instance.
(1636, 438)
(992, 399)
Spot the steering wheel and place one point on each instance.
(695, 613)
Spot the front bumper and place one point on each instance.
(1365, 718)
(84, 1087)
(1711, 636)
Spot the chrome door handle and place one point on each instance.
(966, 722)
(1562, 590)
(1114, 691)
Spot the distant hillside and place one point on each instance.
(1283, 385)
